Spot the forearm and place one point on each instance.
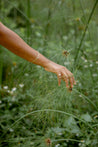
(15, 44)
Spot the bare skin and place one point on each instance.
(15, 44)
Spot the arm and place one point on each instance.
(15, 44)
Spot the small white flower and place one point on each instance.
(26, 74)
(38, 66)
(91, 65)
(82, 141)
(85, 66)
(77, 134)
(65, 38)
(72, 59)
(13, 99)
(38, 34)
(0, 102)
(96, 62)
(21, 85)
(80, 95)
(57, 145)
(10, 92)
(11, 130)
(79, 144)
(66, 63)
(59, 133)
(85, 60)
(14, 89)
(5, 87)
(32, 143)
(95, 75)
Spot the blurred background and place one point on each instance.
(34, 111)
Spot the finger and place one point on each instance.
(59, 81)
(65, 78)
(64, 75)
(66, 81)
(71, 78)
(71, 82)
(74, 81)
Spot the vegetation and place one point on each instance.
(34, 111)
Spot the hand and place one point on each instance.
(62, 73)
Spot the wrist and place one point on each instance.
(50, 66)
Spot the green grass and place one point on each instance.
(33, 109)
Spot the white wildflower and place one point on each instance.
(5, 87)
(8, 91)
(82, 141)
(85, 60)
(95, 75)
(0, 102)
(21, 85)
(32, 143)
(91, 65)
(82, 58)
(13, 99)
(38, 66)
(26, 74)
(14, 89)
(11, 130)
(57, 145)
(72, 59)
(59, 133)
(79, 144)
(80, 95)
(85, 66)
(65, 38)
(96, 62)
(38, 34)
(77, 134)
(66, 63)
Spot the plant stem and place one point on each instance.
(1, 70)
(75, 36)
(47, 25)
(82, 39)
(28, 22)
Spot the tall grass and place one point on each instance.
(29, 16)
(38, 111)
(83, 36)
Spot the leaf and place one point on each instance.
(71, 124)
(86, 117)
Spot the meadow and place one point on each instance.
(34, 110)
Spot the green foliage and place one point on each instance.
(34, 111)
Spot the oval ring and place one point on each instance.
(59, 74)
